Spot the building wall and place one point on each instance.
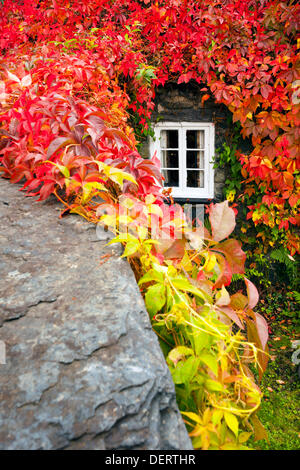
(183, 103)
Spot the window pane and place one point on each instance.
(169, 159)
(195, 159)
(195, 139)
(195, 179)
(171, 178)
(169, 139)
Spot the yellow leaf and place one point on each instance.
(210, 262)
(155, 209)
(192, 416)
(125, 219)
(217, 416)
(186, 263)
(149, 199)
(231, 422)
(126, 202)
(109, 220)
(259, 430)
(131, 248)
(267, 162)
(244, 436)
(142, 232)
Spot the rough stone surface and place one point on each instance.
(84, 369)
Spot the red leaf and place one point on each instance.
(262, 329)
(226, 273)
(232, 315)
(176, 250)
(222, 220)
(254, 336)
(238, 301)
(56, 144)
(46, 190)
(253, 296)
(234, 254)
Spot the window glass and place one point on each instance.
(195, 139)
(184, 149)
(169, 159)
(171, 178)
(195, 179)
(195, 159)
(169, 139)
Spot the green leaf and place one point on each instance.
(155, 298)
(185, 371)
(152, 275)
(214, 386)
(170, 300)
(177, 354)
(131, 248)
(185, 285)
(210, 361)
(200, 339)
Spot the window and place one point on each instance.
(185, 151)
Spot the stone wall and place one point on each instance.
(183, 103)
(84, 369)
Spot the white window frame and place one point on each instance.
(182, 191)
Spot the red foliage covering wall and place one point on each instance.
(101, 51)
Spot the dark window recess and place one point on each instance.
(195, 139)
(195, 179)
(169, 159)
(172, 139)
(195, 159)
(171, 178)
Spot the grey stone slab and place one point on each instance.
(84, 369)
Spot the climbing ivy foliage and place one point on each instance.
(73, 76)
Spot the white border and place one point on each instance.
(192, 193)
